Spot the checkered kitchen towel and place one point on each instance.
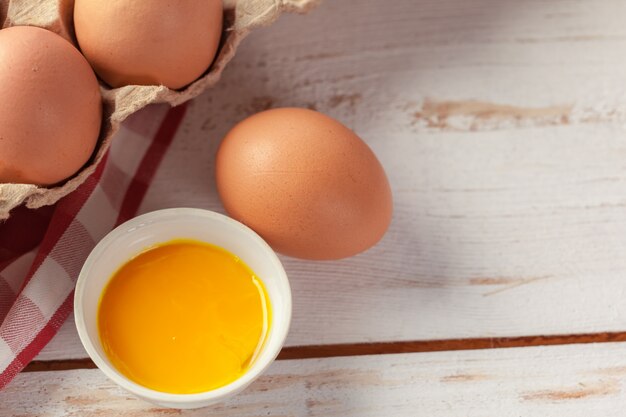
(37, 287)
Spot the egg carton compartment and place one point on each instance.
(240, 17)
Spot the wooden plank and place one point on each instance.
(500, 125)
(380, 348)
(573, 380)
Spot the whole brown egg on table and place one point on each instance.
(305, 182)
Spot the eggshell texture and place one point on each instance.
(149, 42)
(306, 183)
(51, 107)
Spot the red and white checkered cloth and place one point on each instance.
(42, 251)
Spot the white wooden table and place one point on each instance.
(501, 125)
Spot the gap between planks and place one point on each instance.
(383, 348)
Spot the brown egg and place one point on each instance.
(51, 107)
(148, 42)
(306, 183)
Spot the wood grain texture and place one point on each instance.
(501, 127)
(574, 380)
(382, 348)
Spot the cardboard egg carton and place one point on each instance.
(241, 16)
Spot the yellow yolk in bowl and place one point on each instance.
(183, 317)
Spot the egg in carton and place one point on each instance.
(240, 17)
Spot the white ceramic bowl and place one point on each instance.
(160, 226)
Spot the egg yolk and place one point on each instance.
(183, 317)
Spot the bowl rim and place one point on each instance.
(132, 226)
